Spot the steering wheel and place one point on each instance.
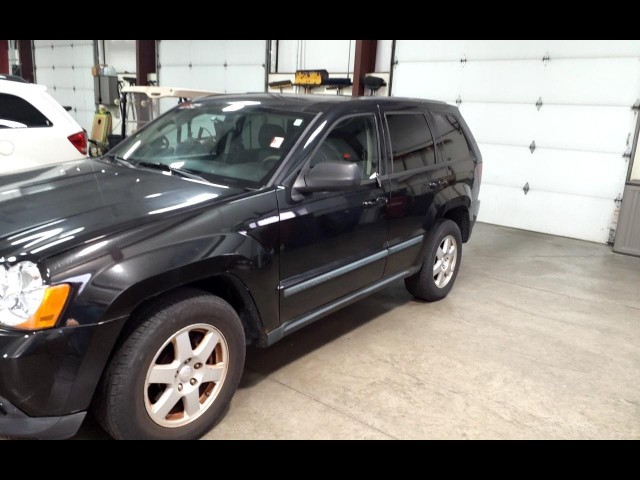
(163, 142)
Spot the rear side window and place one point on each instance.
(450, 139)
(16, 112)
(411, 141)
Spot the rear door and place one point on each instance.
(417, 183)
(334, 243)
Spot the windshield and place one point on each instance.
(238, 141)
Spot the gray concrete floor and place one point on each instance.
(540, 338)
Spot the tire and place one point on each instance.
(160, 363)
(425, 284)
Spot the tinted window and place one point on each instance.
(18, 113)
(354, 140)
(411, 141)
(450, 140)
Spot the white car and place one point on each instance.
(35, 130)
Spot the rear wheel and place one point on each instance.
(440, 268)
(175, 374)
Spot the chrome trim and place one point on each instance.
(404, 245)
(312, 282)
(297, 323)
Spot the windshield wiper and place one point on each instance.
(120, 160)
(168, 168)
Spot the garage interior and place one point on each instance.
(540, 337)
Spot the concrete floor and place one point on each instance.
(540, 338)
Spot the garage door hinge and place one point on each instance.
(539, 103)
(627, 155)
(532, 147)
(458, 100)
(618, 199)
(546, 59)
(636, 106)
(463, 60)
(525, 189)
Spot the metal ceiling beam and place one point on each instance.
(145, 60)
(4, 56)
(365, 62)
(25, 48)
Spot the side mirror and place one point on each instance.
(329, 177)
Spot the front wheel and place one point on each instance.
(441, 264)
(175, 374)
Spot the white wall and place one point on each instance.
(383, 55)
(581, 132)
(121, 54)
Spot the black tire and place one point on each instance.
(120, 401)
(422, 285)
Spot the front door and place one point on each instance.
(334, 243)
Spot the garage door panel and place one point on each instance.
(206, 52)
(245, 52)
(438, 50)
(217, 65)
(573, 127)
(502, 81)
(572, 172)
(82, 56)
(173, 52)
(598, 81)
(244, 78)
(592, 48)
(436, 81)
(511, 124)
(599, 129)
(62, 55)
(504, 165)
(555, 213)
(505, 50)
(429, 50)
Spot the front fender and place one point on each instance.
(113, 276)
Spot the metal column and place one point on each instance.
(365, 62)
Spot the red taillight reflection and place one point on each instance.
(79, 140)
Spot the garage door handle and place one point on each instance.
(375, 203)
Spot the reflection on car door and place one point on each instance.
(334, 243)
(416, 183)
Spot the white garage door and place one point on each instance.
(64, 66)
(582, 125)
(229, 66)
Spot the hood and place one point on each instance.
(46, 211)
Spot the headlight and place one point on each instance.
(25, 301)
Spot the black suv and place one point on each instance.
(132, 283)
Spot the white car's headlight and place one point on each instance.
(25, 301)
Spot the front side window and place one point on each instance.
(354, 140)
(411, 141)
(236, 142)
(450, 139)
(16, 112)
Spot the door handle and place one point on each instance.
(375, 202)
